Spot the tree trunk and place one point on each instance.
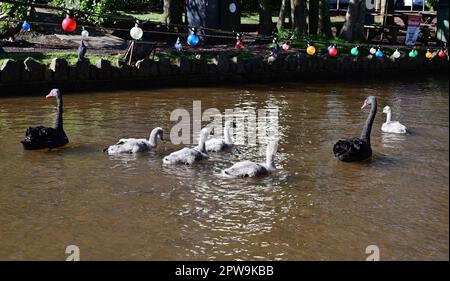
(265, 17)
(324, 19)
(173, 11)
(387, 7)
(353, 28)
(283, 12)
(313, 17)
(298, 13)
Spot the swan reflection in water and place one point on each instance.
(392, 140)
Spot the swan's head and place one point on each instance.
(204, 134)
(386, 109)
(158, 132)
(53, 93)
(371, 100)
(272, 147)
(230, 124)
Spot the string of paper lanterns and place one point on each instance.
(69, 25)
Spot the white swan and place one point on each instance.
(251, 169)
(392, 126)
(216, 144)
(136, 145)
(189, 156)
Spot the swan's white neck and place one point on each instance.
(227, 134)
(201, 144)
(270, 156)
(388, 117)
(153, 139)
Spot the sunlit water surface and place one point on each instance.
(313, 208)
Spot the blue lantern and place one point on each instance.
(379, 54)
(193, 40)
(26, 26)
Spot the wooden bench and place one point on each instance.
(391, 31)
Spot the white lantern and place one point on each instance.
(84, 33)
(136, 32)
(373, 51)
(396, 54)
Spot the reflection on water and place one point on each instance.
(314, 207)
(392, 140)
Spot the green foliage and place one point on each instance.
(432, 3)
(15, 11)
(98, 9)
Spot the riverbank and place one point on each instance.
(32, 77)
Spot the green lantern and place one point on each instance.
(354, 51)
(413, 53)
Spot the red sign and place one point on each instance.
(414, 20)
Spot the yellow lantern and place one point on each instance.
(311, 50)
(429, 55)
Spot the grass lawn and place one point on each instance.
(247, 17)
(149, 16)
(46, 58)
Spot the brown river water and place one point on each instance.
(313, 208)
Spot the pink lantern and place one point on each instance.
(286, 46)
(333, 51)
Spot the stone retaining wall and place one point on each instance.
(33, 77)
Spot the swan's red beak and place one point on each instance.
(365, 104)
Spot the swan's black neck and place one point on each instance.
(59, 113)
(365, 135)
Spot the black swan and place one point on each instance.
(44, 137)
(358, 149)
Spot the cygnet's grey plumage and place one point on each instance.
(189, 156)
(133, 145)
(251, 169)
(218, 144)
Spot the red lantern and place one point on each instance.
(333, 51)
(69, 24)
(239, 44)
(441, 54)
